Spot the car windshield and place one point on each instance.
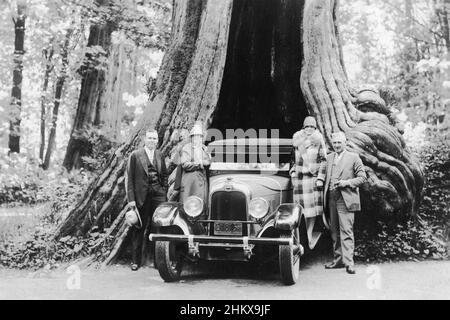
(251, 154)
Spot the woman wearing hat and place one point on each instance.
(194, 161)
(310, 153)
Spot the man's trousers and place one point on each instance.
(139, 237)
(341, 227)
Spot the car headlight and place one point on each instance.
(193, 206)
(258, 208)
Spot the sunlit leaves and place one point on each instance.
(400, 45)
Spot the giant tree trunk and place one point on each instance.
(259, 64)
(16, 92)
(93, 85)
(395, 179)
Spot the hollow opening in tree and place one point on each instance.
(261, 80)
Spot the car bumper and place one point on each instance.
(219, 239)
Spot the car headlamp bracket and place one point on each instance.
(247, 247)
(193, 247)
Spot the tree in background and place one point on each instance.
(47, 22)
(62, 23)
(423, 61)
(100, 104)
(47, 54)
(93, 84)
(18, 18)
(59, 85)
(411, 59)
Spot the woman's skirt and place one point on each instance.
(308, 195)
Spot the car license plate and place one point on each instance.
(227, 228)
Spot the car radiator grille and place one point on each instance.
(229, 205)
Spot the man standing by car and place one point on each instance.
(344, 175)
(146, 188)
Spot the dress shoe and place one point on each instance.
(350, 270)
(134, 267)
(333, 265)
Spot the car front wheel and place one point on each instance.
(169, 260)
(289, 258)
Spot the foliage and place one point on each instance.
(41, 250)
(102, 147)
(399, 241)
(403, 45)
(27, 236)
(19, 179)
(428, 235)
(62, 190)
(146, 23)
(19, 221)
(22, 180)
(436, 162)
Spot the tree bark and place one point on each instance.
(19, 18)
(58, 95)
(442, 10)
(93, 85)
(116, 84)
(244, 64)
(48, 56)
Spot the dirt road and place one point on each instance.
(402, 280)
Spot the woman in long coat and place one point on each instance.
(179, 139)
(194, 161)
(310, 153)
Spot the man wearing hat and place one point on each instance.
(344, 175)
(146, 188)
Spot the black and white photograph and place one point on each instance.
(225, 155)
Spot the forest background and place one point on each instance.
(49, 154)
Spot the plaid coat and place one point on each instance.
(307, 166)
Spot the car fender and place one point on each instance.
(287, 216)
(169, 214)
(267, 226)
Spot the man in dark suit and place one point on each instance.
(344, 175)
(146, 188)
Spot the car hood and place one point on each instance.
(258, 184)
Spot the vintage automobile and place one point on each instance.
(249, 214)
